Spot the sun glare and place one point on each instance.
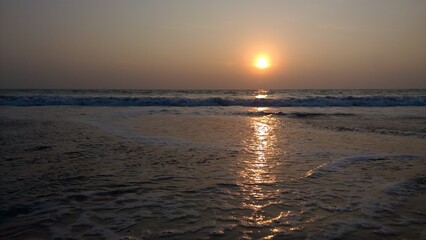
(262, 62)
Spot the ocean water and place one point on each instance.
(213, 164)
(195, 98)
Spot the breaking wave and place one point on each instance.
(343, 162)
(323, 101)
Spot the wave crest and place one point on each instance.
(325, 101)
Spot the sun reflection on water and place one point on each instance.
(261, 109)
(261, 94)
(262, 148)
(257, 176)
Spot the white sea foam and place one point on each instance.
(309, 101)
(343, 162)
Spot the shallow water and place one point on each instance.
(213, 172)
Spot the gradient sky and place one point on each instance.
(211, 44)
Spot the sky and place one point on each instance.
(203, 44)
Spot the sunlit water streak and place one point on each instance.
(257, 176)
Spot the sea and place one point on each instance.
(213, 164)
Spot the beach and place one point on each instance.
(233, 120)
(212, 172)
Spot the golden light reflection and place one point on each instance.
(261, 109)
(257, 177)
(262, 146)
(261, 94)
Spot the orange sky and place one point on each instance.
(212, 44)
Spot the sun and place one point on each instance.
(262, 62)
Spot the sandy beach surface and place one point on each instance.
(177, 173)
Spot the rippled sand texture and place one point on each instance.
(76, 173)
